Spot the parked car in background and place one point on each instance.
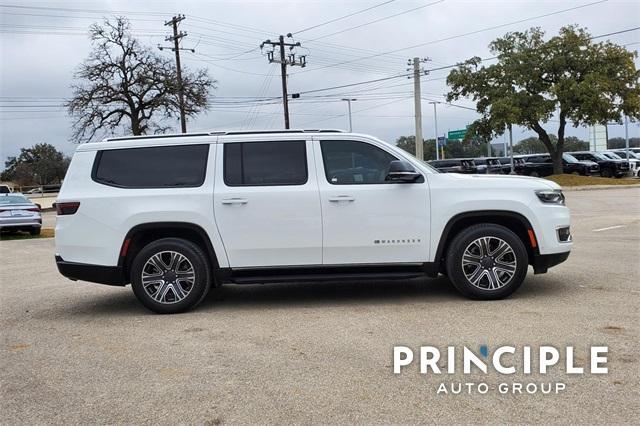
(455, 165)
(4, 189)
(572, 165)
(518, 163)
(608, 167)
(490, 165)
(542, 165)
(18, 213)
(634, 162)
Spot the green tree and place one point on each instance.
(453, 149)
(42, 164)
(408, 143)
(531, 145)
(572, 143)
(581, 81)
(124, 84)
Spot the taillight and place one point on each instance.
(67, 208)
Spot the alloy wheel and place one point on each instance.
(168, 277)
(489, 263)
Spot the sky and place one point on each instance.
(43, 42)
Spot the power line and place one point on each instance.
(467, 34)
(378, 20)
(343, 17)
(617, 32)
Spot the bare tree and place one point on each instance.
(123, 84)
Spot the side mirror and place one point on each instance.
(401, 171)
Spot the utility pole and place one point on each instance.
(511, 150)
(626, 136)
(175, 38)
(435, 126)
(417, 101)
(284, 60)
(349, 100)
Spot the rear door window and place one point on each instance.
(265, 163)
(152, 167)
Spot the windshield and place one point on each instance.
(429, 166)
(612, 156)
(600, 156)
(13, 199)
(569, 158)
(623, 154)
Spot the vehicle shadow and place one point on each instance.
(308, 294)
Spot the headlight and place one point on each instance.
(551, 196)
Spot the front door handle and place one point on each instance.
(341, 198)
(235, 201)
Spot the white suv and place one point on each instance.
(177, 215)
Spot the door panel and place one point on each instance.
(366, 219)
(262, 220)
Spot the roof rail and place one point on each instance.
(222, 132)
(266, 132)
(181, 135)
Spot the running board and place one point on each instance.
(328, 273)
(325, 277)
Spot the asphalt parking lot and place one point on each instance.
(320, 353)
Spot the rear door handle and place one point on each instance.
(235, 201)
(341, 198)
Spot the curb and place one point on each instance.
(597, 187)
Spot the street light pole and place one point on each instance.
(435, 126)
(626, 136)
(511, 150)
(349, 104)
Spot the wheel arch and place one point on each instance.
(143, 234)
(516, 222)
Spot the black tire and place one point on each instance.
(606, 172)
(196, 289)
(34, 231)
(534, 174)
(507, 282)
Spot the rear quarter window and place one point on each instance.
(152, 167)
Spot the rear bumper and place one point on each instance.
(542, 262)
(110, 275)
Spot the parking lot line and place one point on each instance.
(608, 228)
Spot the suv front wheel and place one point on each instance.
(170, 275)
(487, 261)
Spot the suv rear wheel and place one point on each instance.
(170, 275)
(487, 261)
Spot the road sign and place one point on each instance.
(442, 141)
(598, 136)
(457, 134)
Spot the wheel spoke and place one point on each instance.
(483, 244)
(178, 292)
(476, 275)
(493, 279)
(161, 292)
(174, 260)
(502, 249)
(156, 260)
(506, 267)
(148, 280)
(470, 259)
